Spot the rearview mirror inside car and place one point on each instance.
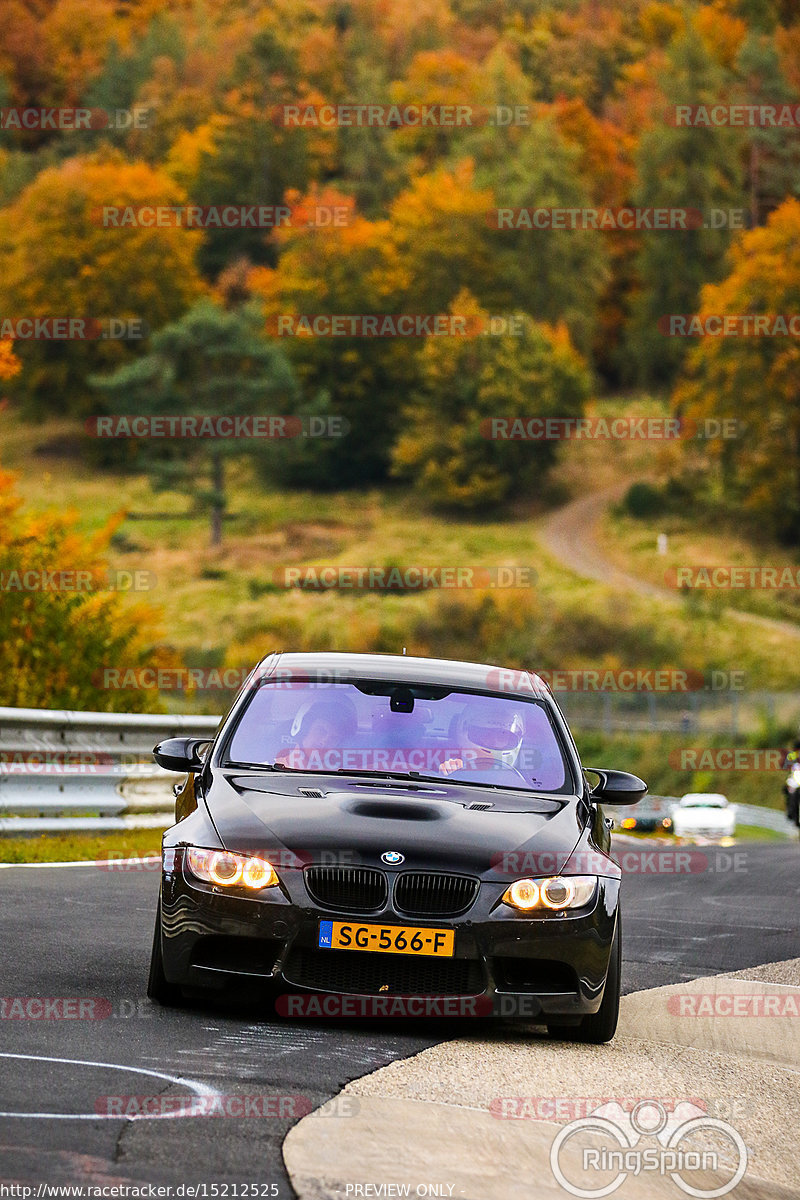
(617, 787)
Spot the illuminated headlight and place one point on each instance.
(558, 892)
(230, 870)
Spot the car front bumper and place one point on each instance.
(549, 966)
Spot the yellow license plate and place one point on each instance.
(386, 939)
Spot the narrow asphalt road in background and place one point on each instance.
(85, 931)
(571, 534)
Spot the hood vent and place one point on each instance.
(480, 804)
(392, 810)
(312, 793)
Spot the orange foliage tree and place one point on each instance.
(755, 376)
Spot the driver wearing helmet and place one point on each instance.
(318, 726)
(491, 737)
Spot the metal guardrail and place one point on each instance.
(63, 772)
(702, 713)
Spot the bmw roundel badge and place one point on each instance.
(392, 858)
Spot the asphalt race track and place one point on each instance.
(85, 931)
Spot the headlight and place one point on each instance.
(557, 892)
(230, 870)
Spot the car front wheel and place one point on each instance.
(159, 989)
(600, 1026)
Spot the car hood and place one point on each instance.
(432, 828)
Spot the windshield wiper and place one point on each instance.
(257, 766)
(416, 776)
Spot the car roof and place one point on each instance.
(707, 797)
(484, 677)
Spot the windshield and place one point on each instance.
(490, 740)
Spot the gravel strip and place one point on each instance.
(787, 973)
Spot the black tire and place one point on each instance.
(159, 989)
(601, 1026)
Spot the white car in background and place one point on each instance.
(704, 814)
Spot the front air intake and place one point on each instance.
(350, 889)
(431, 894)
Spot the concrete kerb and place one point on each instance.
(426, 1121)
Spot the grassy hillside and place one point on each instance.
(225, 608)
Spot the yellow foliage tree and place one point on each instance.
(62, 257)
(61, 623)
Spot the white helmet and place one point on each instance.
(496, 731)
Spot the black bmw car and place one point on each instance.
(375, 828)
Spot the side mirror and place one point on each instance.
(180, 754)
(617, 787)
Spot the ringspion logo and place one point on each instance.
(684, 1144)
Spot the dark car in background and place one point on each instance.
(653, 814)
(370, 825)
